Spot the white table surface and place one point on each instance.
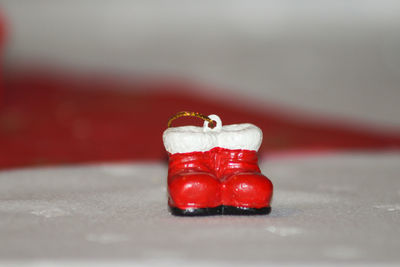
(339, 208)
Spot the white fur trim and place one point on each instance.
(191, 138)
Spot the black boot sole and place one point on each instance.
(196, 212)
(230, 210)
(220, 210)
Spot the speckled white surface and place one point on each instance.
(342, 208)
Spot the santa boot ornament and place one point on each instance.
(213, 170)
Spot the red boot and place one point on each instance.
(215, 171)
(193, 189)
(244, 190)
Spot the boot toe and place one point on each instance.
(194, 190)
(247, 190)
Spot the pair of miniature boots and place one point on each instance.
(215, 171)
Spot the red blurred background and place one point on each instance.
(54, 115)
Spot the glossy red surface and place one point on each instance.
(217, 177)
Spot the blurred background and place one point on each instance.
(89, 81)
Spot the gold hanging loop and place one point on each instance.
(211, 123)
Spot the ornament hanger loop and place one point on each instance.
(211, 122)
(217, 125)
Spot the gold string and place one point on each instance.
(191, 114)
